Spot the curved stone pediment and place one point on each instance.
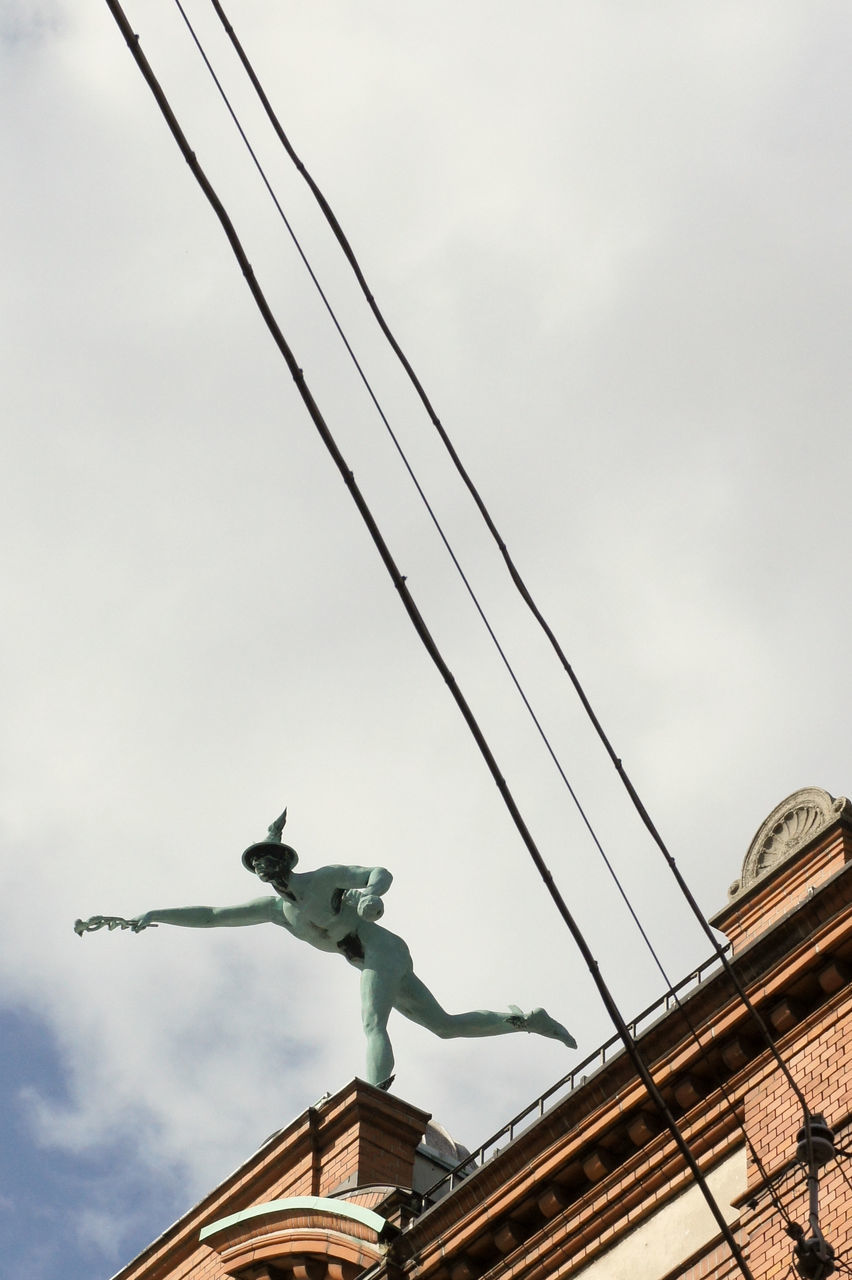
(302, 1238)
(789, 826)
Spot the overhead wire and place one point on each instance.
(349, 253)
(407, 600)
(766, 1181)
(670, 988)
(514, 573)
(410, 470)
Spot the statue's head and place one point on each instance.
(278, 859)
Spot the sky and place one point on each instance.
(614, 241)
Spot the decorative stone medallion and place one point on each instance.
(789, 826)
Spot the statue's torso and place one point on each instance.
(317, 912)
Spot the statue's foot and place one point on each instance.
(386, 1084)
(540, 1023)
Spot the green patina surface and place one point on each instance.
(336, 909)
(316, 1204)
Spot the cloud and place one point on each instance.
(100, 1230)
(23, 27)
(613, 245)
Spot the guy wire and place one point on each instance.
(583, 815)
(670, 990)
(404, 458)
(512, 568)
(417, 620)
(424, 498)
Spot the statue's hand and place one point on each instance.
(370, 907)
(138, 923)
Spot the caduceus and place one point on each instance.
(106, 922)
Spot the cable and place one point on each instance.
(350, 255)
(401, 452)
(416, 618)
(467, 584)
(426, 503)
(513, 571)
(773, 1187)
(667, 980)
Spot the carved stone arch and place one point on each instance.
(789, 826)
(301, 1238)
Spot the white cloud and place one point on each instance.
(614, 245)
(100, 1230)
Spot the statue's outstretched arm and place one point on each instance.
(259, 911)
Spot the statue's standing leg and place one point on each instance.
(377, 1000)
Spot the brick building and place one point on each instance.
(588, 1180)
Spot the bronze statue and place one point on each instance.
(336, 909)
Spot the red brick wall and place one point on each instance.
(717, 1263)
(819, 1055)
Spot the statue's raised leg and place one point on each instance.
(416, 1002)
